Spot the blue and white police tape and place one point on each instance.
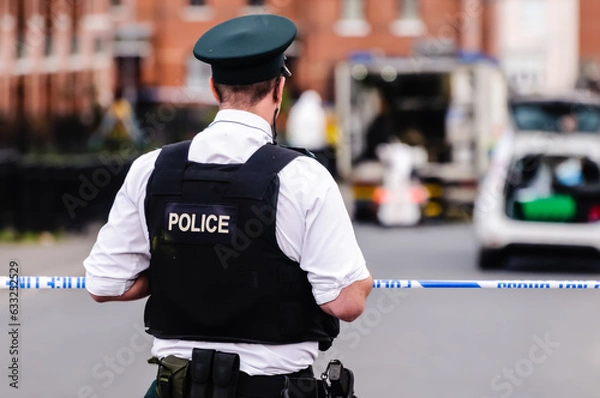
(483, 284)
(78, 282)
(42, 282)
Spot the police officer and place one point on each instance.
(244, 247)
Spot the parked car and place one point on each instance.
(542, 189)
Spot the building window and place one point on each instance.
(254, 7)
(74, 44)
(197, 10)
(198, 74)
(48, 33)
(75, 28)
(352, 19)
(21, 29)
(118, 7)
(48, 45)
(409, 9)
(99, 45)
(352, 10)
(21, 46)
(409, 21)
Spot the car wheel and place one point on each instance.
(491, 258)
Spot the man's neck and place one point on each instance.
(264, 109)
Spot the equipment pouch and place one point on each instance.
(173, 376)
(201, 369)
(225, 375)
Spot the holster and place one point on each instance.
(341, 380)
(304, 388)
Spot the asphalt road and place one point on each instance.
(409, 343)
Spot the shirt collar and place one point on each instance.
(243, 117)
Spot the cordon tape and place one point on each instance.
(78, 282)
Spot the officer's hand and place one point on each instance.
(139, 289)
(351, 301)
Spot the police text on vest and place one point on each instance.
(211, 223)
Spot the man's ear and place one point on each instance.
(214, 90)
(279, 91)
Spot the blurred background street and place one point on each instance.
(464, 135)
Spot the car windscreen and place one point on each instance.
(556, 116)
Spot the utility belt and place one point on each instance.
(215, 374)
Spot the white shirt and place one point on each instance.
(312, 228)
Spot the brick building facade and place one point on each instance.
(57, 57)
(589, 47)
(55, 60)
(329, 31)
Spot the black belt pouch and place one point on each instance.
(225, 375)
(201, 369)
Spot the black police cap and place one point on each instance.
(246, 49)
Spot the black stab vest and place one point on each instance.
(216, 271)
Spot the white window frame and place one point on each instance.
(409, 21)
(352, 20)
(248, 9)
(197, 13)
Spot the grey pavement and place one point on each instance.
(409, 343)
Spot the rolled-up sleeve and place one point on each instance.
(122, 248)
(314, 228)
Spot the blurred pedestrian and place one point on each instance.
(568, 124)
(306, 127)
(381, 130)
(118, 126)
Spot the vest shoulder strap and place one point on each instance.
(254, 177)
(169, 168)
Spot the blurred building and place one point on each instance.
(331, 31)
(548, 46)
(537, 44)
(55, 62)
(59, 57)
(154, 39)
(589, 46)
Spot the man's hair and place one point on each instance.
(245, 96)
